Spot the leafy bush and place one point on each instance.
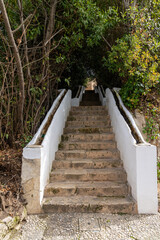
(136, 56)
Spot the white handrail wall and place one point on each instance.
(140, 161)
(52, 140)
(37, 159)
(101, 97)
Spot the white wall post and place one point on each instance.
(146, 179)
(31, 167)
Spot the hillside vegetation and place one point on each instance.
(46, 45)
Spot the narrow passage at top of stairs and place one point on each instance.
(90, 98)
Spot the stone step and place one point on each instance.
(88, 137)
(105, 174)
(87, 163)
(94, 154)
(88, 175)
(84, 108)
(89, 112)
(90, 103)
(102, 123)
(88, 130)
(87, 145)
(88, 118)
(88, 204)
(100, 189)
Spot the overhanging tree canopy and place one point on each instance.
(61, 43)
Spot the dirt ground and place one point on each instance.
(11, 194)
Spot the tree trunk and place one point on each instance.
(51, 22)
(29, 77)
(18, 63)
(47, 45)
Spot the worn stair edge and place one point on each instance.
(89, 204)
(88, 107)
(88, 118)
(90, 103)
(106, 189)
(71, 154)
(88, 130)
(88, 124)
(88, 137)
(87, 163)
(89, 112)
(70, 145)
(105, 174)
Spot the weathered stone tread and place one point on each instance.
(89, 112)
(88, 136)
(89, 204)
(86, 130)
(88, 118)
(86, 188)
(84, 108)
(85, 154)
(104, 174)
(103, 123)
(88, 145)
(87, 163)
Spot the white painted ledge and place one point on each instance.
(36, 136)
(131, 119)
(140, 160)
(76, 101)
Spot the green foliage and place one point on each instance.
(135, 57)
(81, 37)
(151, 128)
(91, 39)
(25, 140)
(131, 92)
(36, 91)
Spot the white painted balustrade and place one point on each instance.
(140, 160)
(37, 159)
(101, 97)
(76, 101)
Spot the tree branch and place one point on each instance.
(22, 24)
(18, 63)
(53, 36)
(107, 42)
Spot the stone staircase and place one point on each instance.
(88, 174)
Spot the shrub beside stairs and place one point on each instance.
(88, 174)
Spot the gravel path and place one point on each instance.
(88, 227)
